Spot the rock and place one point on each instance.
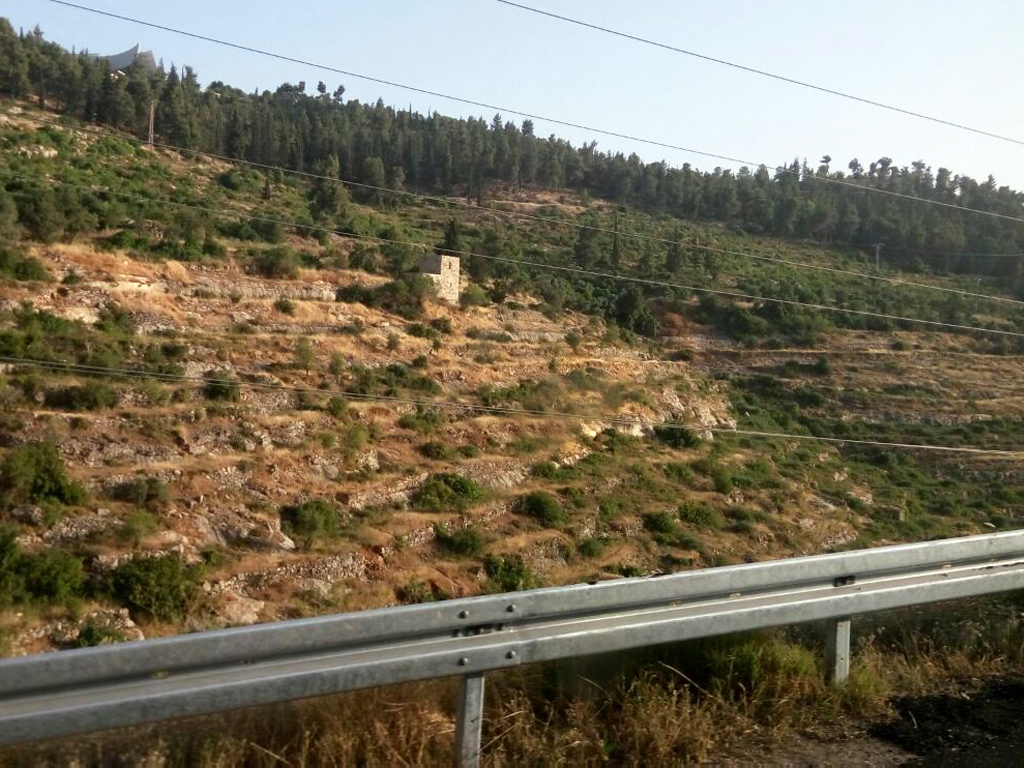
(235, 609)
(369, 461)
(29, 514)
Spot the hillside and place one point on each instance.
(277, 421)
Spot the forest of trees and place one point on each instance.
(382, 146)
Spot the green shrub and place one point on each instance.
(542, 506)
(161, 588)
(677, 436)
(138, 525)
(34, 473)
(92, 634)
(17, 266)
(147, 492)
(508, 573)
(545, 469)
(473, 296)
(700, 515)
(678, 473)
(353, 439)
(447, 492)
(53, 576)
(441, 324)
(221, 388)
(722, 479)
(660, 523)
(591, 547)
(337, 407)
(285, 306)
(437, 451)
(12, 585)
(462, 541)
(481, 334)
(311, 520)
(90, 396)
(425, 420)
(277, 263)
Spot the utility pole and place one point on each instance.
(878, 256)
(152, 118)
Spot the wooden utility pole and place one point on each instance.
(878, 256)
(152, 119)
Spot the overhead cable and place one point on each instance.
(761, 72)
(533, 216)
(616, 419)
(538, 264)
(521, 113)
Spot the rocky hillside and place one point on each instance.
(225, 426)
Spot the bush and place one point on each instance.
(441, 324)
(221, 388)
(311, 520)
(92, 634)
(508, 573)
(700, 515)
(473, 296)
(146, 492)
(285, 306)
(425, 420)
(53, 576)
(542, 506)
(448, 492)
(17, 266)
(660, 523)
(138, 525)
(337, 406)
(437, 451)
(677, 436)
(722, 479)
(91, 396)
(160, 588)
(34, 473)
(463, 541)
(591, 547)
(279, 263)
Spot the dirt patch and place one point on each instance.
(978, 727)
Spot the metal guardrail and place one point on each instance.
(78, 691)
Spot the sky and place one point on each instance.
(960, 61)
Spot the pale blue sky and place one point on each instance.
(957, 60)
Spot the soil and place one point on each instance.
(984, 727)
(979, 727)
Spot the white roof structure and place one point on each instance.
(130, 58)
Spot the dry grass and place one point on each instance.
(655, 707)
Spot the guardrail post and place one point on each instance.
(469, 722)
(837, 650)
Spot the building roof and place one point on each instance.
(131, 57)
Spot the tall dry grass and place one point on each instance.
(681, 703)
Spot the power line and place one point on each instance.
(532, 216)
(762, 73)
(955, 254)
(542, 265)
(425, 402)
(529, 115)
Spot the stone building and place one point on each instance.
(444, 271)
